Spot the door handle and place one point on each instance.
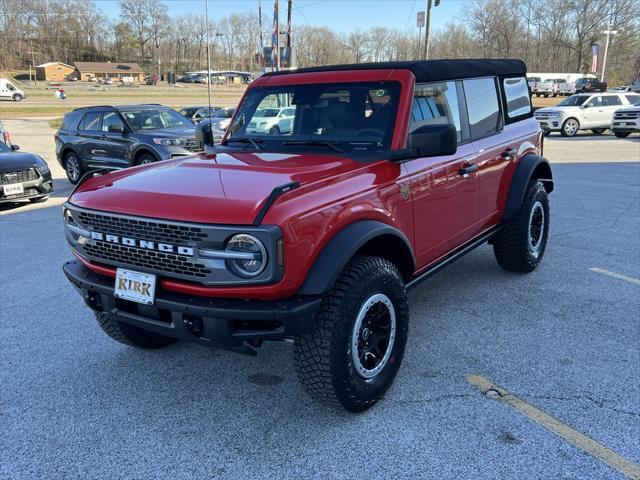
(509, 153)
(465, 171)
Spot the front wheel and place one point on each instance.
(353, 351)
(622, 134)
(520, 245)
(131, 335)
(17, 97)
(145, 159)
(546, 132)
(570, 127)
(39, 199)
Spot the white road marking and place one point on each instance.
(580, 440)
(619, 276)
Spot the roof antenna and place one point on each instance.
(206, 9)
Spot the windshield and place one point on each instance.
(573, 101)
(637, 104)
(353, 116)
(148, 119)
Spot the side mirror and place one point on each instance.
(433, 140)
(115, 128)
(204, 135)
(584, 105)
(15, 147)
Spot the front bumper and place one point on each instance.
(625, 125)
(550, 123)
(224, 323)
(37, 188)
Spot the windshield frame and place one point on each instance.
(352, 145)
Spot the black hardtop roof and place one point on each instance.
(431, 70)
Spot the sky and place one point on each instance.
(340, 15)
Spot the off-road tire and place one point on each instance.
(566, 132)
(511, 246)
(622, 134)
(131, 335)
(598, 131)
(323, 356)
(39, 199)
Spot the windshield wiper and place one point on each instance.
(253, 142)
(322, 143)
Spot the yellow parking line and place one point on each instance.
(619, 276)
(580, 440)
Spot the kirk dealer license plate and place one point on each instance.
(135, 286)
(13, 189)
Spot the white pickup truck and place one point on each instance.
(562, 87)
(539, 87)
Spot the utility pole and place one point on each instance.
(427, 33)
(206, 10)
(33, 64)
(608, 32)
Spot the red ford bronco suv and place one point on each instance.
(389, 172)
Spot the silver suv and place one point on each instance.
(585, 111)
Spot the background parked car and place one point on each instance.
(204, 112)
(585, 111)
(189, 112)
(274, 121)
(23, 176)
(626, 120)
(562, 87)
(122, 136)
(585, 85)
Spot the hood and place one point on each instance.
(227, 188)
(12, 161)
(170, 132)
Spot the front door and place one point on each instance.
(444, 188)
(114, 144)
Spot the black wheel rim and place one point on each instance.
(536, 228)
(373, 336)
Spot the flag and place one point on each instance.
(594, 57)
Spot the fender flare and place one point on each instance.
(144, 148)
(341, 248)
(529, 166)
(65, 150)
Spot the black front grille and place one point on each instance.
(191, 144)
(626, 115)
(29, 175)
(135, 228)
(152, 260)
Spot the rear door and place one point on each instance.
(610, 103)
(495, 148)
(89, 138)
(444, 198)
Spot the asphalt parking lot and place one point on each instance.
(565, 339)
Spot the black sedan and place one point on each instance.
(23, 176)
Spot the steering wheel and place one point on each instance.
(374, 131)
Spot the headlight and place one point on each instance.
(167, 141)
(256, 258)
(43, 169)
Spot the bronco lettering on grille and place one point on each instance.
(144, 244)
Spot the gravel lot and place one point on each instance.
(74, 404)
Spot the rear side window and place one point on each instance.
(517, 92)
(482, 106)
(70, 120)
(434, 104)
(611, 100)
(91, 121)
(633, 98)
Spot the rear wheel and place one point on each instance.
(622, 134)
(598, 131)
(520, 245)
(72, 167)
(130, 335)
(570, 127)
(353, 351)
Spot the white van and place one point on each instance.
(10, 91)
